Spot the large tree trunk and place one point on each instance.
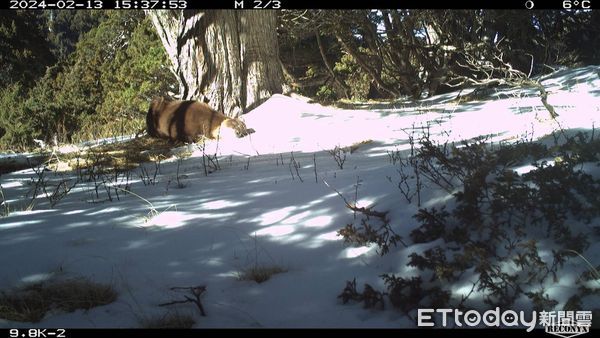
(228, 59)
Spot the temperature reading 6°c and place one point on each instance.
(583, 4)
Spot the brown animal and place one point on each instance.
(178, 120)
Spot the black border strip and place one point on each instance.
(296, 4)
(267, 333)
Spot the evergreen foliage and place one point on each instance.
(24, 47)
(101, 89)
(378, 54)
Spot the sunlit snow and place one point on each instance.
(279, 199)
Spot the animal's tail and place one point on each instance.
(150, 125)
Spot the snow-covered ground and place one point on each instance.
(257, 209)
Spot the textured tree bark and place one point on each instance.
(228, 59)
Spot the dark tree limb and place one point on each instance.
(363, 64)
(196, 291)
(342, 85)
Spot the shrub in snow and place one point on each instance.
(371, 297)
(502, 219)
(510, 235)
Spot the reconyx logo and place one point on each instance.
(566, 323)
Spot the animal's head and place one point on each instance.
(236, 127)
